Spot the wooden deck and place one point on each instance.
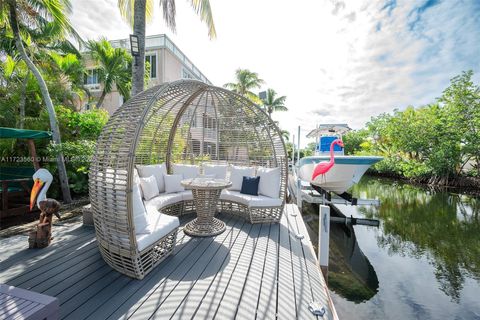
(261, 271)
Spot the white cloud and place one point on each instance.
(336, 61)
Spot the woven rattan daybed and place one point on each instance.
(174, 124)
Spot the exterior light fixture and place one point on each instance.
(134, 50)
(262, 95)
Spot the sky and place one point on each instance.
(335, 61)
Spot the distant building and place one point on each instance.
(167, 63)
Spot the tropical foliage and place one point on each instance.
(58, 78)
(113, 67)
(245, 82)
(431, 143)
(138, 13)
(29, 30)
(273, 103)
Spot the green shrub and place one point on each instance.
(77, 160)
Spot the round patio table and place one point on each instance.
(205, 192)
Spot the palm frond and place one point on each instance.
(204, 10)
(169, 12)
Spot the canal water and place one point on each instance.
(423, 262)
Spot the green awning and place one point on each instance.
(12, 133)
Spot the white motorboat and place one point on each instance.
(345, 171)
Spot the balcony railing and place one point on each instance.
(162, 41)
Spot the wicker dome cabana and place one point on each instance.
(186, 122)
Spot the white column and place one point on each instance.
(324, 238)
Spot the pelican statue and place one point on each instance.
(41, 237)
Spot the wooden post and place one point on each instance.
(324, 238)
(33, 153)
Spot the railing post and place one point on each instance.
(299, 194)
(324, 238)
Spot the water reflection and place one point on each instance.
(440, 226)
(350, 273)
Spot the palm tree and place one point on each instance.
(31, 13)
(285, 134)
(245, 82)
(70, 72)
(138, 12)
(113, 68)
(271, 103)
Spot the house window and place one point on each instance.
(152, 60)
(91, 77)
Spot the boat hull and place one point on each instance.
(347, 171)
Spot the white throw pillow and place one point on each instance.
(237, 174)
(186, 170)
(157, 170)
(149, 187)
(173, 183)
(139, 212)
(220, 171)
(269, 184)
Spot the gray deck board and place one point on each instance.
(241, 257)
(179, 281)
(260, 271)
(286, 303)
(38, 276)
(303, 294)
(64, 235)
(267, 300)
(228, 303)
(210, 264)
(317, 284)
(247, 306)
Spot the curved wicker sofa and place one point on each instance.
(255, 209)
(186, 122)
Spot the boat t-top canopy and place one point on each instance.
(328, 129)
(13, 133)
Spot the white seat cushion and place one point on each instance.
(218, 170)
(187, 195)
(162, 200)
(139, 212)
(263, 201)
(186, 170)
(161, 224)
(235, 196)
(269, 184)
(157, 170)
(249, 200)
(237, 174)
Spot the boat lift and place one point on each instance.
(324, 198)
